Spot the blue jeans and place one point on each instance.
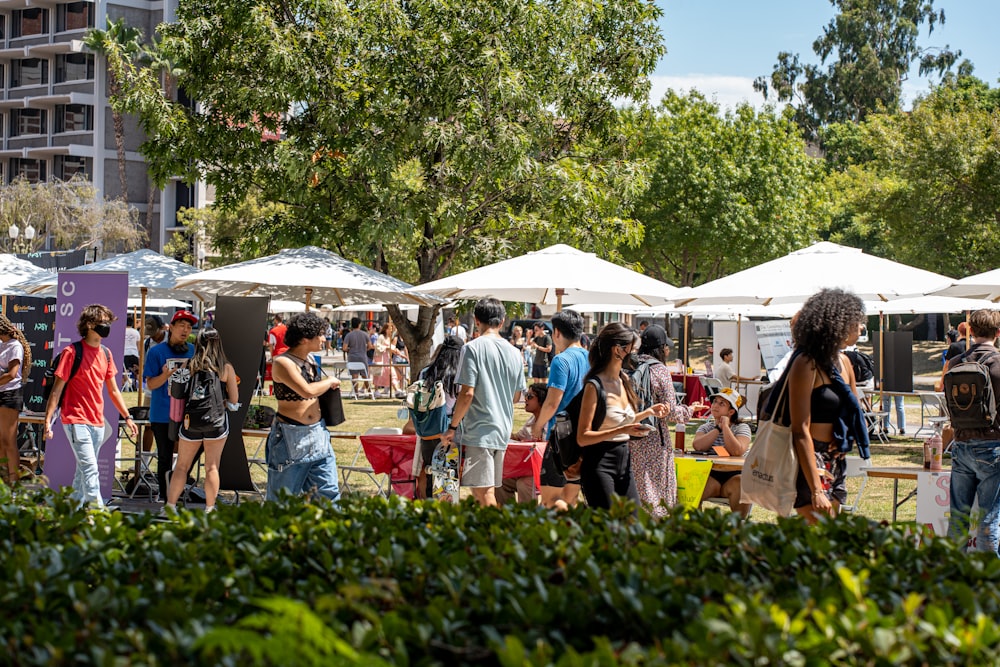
(900, 412)
(300, 459)
(975, 474)
(86, 441)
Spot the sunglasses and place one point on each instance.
(529, 395)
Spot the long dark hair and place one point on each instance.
(614, 333)
(444, 365)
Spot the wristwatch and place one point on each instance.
(718, 428)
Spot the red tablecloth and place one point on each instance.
(393, 455)
(693, 387)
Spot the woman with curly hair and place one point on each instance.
(821, 405)
(604, 429)
(15, 356)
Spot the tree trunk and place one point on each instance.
(119, 122)
(418, 336)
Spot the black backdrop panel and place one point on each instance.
(242, 324)
(898, 360)
(36, 318)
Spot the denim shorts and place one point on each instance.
(292, 444)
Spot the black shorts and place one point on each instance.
(12, 398)
(552, 474)
(209, 433)
(427, 448)
(830, 458)
(130, 361)
(540, 371)
(723, 477)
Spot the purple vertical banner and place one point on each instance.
(77, 290)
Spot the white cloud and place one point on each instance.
(727, 91)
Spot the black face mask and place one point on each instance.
(103, 329)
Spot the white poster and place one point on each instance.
(934, 500)
(775, 340)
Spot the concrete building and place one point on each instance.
(54, 103)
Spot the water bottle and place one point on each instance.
(934, 444)
(680, 436)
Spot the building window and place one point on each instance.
(3, 27)
(74, 118)
(31, 170)
(74, 67)
(25, 22)
(27, 121)
(29, 72)
(75, 16)
(66, 167)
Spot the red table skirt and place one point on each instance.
(393, 455)
(693, 387)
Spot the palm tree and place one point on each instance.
(120, 45)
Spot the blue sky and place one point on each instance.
(720, 46)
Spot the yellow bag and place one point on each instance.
(692, 475)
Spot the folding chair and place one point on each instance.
(932, 411)
(711, 385)
(874, 419)
(679, 391)
(356, 463)
(856, 470)
(363, 378)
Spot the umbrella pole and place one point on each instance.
(881, 356)
(685, 334)
(739, 339)
(559, 295)
(3, 304)
(142, 348)
(309, 296)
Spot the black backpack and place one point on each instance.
(968, 392)
(49, 377)
(863, 364)
(206, 408)
(563, 440)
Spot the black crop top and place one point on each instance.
(283, 392)
(824, 405)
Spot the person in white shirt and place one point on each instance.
(455, 328)
(130, 356)
(724, 370)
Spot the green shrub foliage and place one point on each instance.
(389, 582)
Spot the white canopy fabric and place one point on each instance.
(368, 307)
(312, 273)
(147, 270)
(911, 305)
(14, 271)
(158, 303)
(800, 274)
(980, 286)
(554, 275)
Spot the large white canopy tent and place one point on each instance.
(13, 271)
(554, 275)
(308, 273)
(980, 286)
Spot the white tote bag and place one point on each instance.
(771, 466)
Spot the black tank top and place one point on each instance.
(824, 405)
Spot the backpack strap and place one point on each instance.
(601, 408)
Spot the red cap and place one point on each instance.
(184, 315)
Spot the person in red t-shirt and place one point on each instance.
(276, 337)
(82, 412)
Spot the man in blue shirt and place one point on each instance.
(566, 374)
(162, 360)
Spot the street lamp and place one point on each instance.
(14, 232)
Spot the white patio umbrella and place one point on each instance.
(158, 303)
(980, 286)
(367, 307)
(800, 274)
(150, 274)
(14, 270)
(554, 275)
(311, 273)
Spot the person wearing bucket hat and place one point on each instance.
(725, 430)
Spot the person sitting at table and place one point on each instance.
(724, 371)
(523, 488)
(443, 368)
(652, 454)
(15, 355)
(299, 455)
(724, 429)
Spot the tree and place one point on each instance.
(119, 42)
(932, 190)
(726, 191)
(871, 45)
(227, 232)
(415, 137)
(71, 213)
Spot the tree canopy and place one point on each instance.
(416, 137)
(727, 190)
(870, 46)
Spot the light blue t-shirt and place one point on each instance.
(567, 372)
(495, 369)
